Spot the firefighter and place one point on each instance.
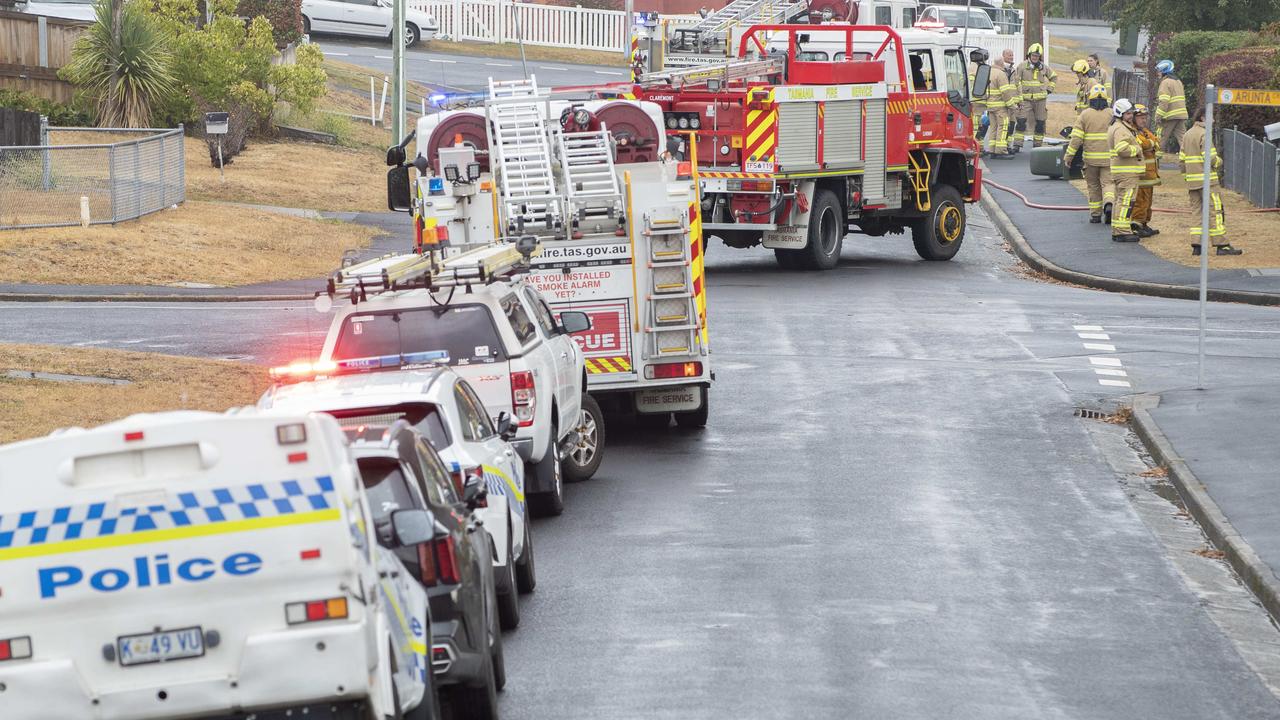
(1097, 74)
(1002, 98)
(1089, 137)
(1035, 81)
(1012, 101)
(1081, 68)
(979, 105)
(1171, 108)
(1126, 169)
(1141, 217)
(1191, 156)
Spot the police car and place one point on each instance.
(447, 411)
(198, 565)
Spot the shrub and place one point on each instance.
(126, 68)
(285, 17)
(1246, 68)
(59, 115)
(1187, 49)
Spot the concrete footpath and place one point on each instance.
(1218, 444)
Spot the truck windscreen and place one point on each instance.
(465, 332)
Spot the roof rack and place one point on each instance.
(388, 273)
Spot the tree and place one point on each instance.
(1178, 15)
(123, 63)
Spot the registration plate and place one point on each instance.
(676, 399)
(162, 646)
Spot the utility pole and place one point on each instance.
(1032, 23)
(397, 72)
(629, 22)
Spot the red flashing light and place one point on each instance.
(313, 554)
(298, 457)
(133, 436)
(684, 169)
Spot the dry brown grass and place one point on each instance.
(1258, 234)
(198, 242)
(1211, 553)
(30, 408)
(1061, 115)
(1156, 472)
(290, 174)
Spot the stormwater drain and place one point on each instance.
(1091, 414)
(59, 377)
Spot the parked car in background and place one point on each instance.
(948, 18)
(364, 18)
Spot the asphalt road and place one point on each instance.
(894, 512)
(463, 72)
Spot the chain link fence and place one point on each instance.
(110, 174)
(1250, 167)
(1135, 87)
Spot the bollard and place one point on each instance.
(84, 211)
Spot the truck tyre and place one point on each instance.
(505, 586)
(546, 471)
(585, 456)
(939, 234)
(526, 575)
(826, 232)
(787, 259)
(695, 418)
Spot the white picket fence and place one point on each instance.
(499, 21)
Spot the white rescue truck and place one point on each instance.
(194, 565)
(620, 229)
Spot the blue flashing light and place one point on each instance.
(437, 98)
(393, 361)
(435, 185)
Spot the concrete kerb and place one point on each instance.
(1257, 575)
(54, 297)
(1035, 260)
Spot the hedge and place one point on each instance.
(59, 115)
(1253, 68)
(1187, 49)
(285, 17)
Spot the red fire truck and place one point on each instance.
(816, 130)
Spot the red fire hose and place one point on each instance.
(1041, 206)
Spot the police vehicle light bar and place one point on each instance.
(303, 371)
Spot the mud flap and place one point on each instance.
(795, 235)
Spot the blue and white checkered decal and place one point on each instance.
(182, 509)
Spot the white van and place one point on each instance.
(198, 565)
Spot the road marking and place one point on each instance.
(382, 57)
(606, 72)
(334, 54)
(437, 60)
(1114, 383)
(1088, 328)
(550, 67)
(498, 64)
(1105, 361)
(1111, 372)
(1094, 336)
(1104, 347)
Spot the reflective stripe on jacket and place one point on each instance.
(1191, 156)
(1126, 153)
(1090, 133)
(1171, 100)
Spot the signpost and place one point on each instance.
(1224, 96)
(215, 123)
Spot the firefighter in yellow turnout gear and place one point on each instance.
(1035, 81)
(1194, 168)
(1150, 175)
(1002, 99)
(1126, 169)
(1083, 82)
(1089, 137)
(1171, 108)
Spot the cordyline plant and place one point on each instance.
(122, 63)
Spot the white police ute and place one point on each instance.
(198, 565)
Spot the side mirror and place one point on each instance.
(412, 527)
(981, 79)
(399, 197)
(507, 427)
(395, 156)
(475, 492)
(572, 321)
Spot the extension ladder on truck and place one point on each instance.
(411, 270)
(521, 154)
(671, 324)
(591, 185)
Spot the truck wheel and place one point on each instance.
(787, 259)
(938, 235)
(547, 472)
(526, 575)
(695, 418)
(826, 232)
(505, 582)
(585, 457)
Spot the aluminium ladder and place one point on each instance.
(521, 153)
(672, 326)
(590, 182)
